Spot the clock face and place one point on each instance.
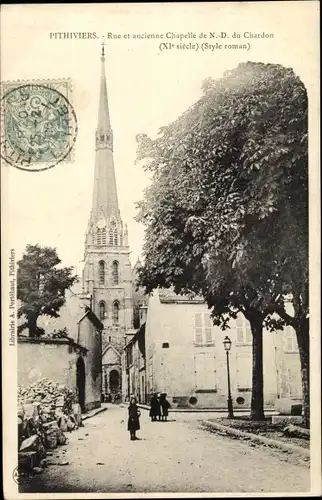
(101, 224)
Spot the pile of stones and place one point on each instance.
(46, 410)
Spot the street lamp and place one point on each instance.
(227, 345)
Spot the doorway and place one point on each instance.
(114, 381)
(80, 382)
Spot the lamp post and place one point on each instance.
(227, 346)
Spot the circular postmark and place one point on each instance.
(38, 129)
(21, 477)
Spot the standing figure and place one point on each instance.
(133, 423)
(165, 405)
(154, 408)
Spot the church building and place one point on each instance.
(107, 269)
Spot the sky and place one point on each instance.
(147, 88)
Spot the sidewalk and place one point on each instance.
(94, 412)
(256, 438)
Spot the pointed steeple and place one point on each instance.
(105, 201)
(103, 123)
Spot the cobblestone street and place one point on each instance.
(174, 456)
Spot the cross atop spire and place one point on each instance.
(103, 51)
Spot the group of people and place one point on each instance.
(159, 407)
(159, 410)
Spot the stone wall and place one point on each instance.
(89, 338)
(52, 359)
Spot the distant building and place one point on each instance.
(185, 357)
(134, 362)
(73, 361)
(107, 270)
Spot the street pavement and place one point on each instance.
(174, 456)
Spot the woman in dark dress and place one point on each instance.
(165, 405)
(133, 423)
(154, 408)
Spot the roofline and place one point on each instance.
(93, 318)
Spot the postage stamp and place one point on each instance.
(38, 124)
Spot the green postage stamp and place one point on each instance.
(38, 124)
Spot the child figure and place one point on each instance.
(133, 423)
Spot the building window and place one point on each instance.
(104, 236)
(244, 332)
(290, 340)
(121, 240)
(165, 345)
(116, 311)
(102, 137)
(115, 273)
(294, 383)
(93, 238)
(102, 308)
(101, 272)
(115, 237)
(203, 329)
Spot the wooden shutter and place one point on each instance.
(248, 331)
(198, 328)
(240, 328)
(208, 328)
(205, 371)
(244, 371)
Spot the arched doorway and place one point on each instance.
(114, 381)
(80, 382)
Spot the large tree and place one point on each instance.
(226, 213)
(41, 286)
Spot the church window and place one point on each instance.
(115, 273)
(121, 240)
(104, 236)
(111, 236)
(102, 308)
(101, 272)
(99, 237)
(102, 137)
(111, 232)
(93, 238)
(116, 311)
(115, 237)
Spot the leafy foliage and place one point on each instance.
(41, 286)
(226, 213)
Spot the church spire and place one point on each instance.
(105, 201)
(103, 113)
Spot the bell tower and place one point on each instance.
(107, 269)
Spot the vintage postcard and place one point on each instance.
(160, 250)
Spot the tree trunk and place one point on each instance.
(257, 403)
(303, 341)
(32, 326)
